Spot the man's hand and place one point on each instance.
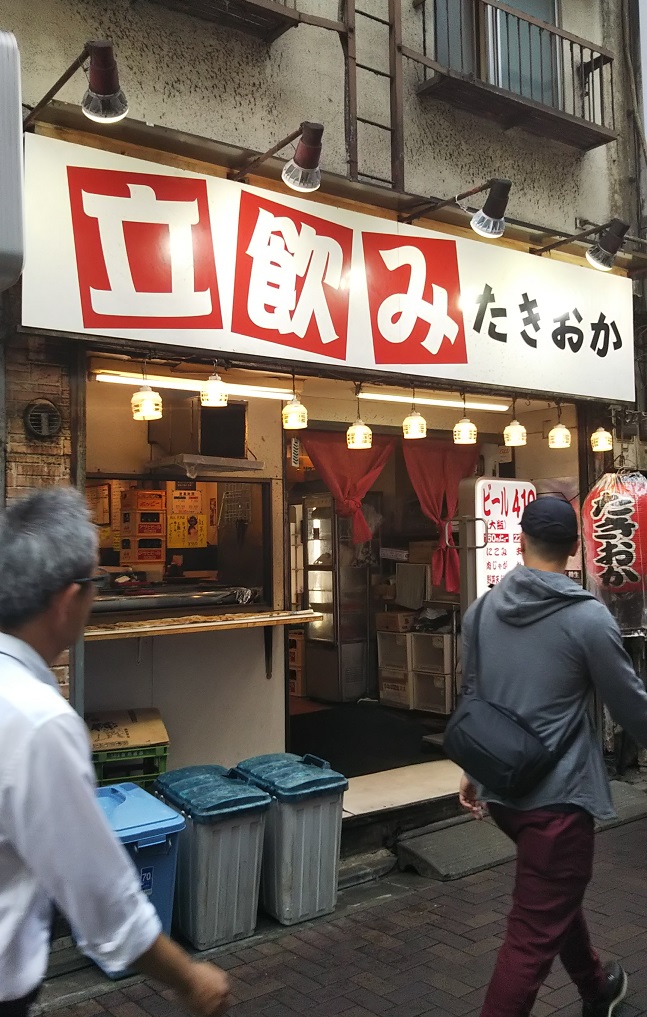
(467, 798)
(200, 986)
(207, 991)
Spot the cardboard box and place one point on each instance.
(394, 621)
(136, 500)
(126, 729)
(142, 550)
(396, 688)
(421, 551)
(143, 524)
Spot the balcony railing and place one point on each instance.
(493, 60)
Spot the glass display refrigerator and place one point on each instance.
(338, 586)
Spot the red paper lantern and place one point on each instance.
(614, 529)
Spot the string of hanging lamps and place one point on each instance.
(359, 435)
(145, 403)
(515, 434)
(465, 432)
(414, 425)
(294, 415)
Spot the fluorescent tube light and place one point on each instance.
(470, 404)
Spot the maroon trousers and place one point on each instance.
(554, 867)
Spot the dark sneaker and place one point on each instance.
(613, 992)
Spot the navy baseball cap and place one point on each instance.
(550, 519)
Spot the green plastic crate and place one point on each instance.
(141, 765)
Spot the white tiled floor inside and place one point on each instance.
(404, 786)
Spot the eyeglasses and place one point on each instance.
(87, 580)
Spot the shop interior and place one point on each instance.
(186, 507)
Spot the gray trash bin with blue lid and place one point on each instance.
(219, 858)
(302, 834)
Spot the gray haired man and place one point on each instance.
(55, 844)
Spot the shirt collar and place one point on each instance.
(27, 655)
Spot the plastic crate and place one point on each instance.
(431, 652)
(140, 765)
(394, 650)
(432, 693)
(396, 688)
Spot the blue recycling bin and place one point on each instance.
(219, 860)
(302, 834)
(149, 830)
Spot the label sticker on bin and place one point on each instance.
(210, 794)
(291, 778)
(147, 879)
(136, 817)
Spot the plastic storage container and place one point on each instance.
(219, 861)
(149, 830)
(394, 650)
(302, 834)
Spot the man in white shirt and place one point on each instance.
(56, 846)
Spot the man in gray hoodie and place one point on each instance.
(545, 646)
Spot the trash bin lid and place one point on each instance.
(209, 793)
(136, 816)
(291, 778)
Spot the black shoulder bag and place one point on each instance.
(493, 744)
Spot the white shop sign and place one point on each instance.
(498, 508)
(117, 246)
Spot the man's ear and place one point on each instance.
(522, 542)
(62, 602)
(575, 548)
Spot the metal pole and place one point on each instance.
(434, 206)
(64, 78)
(266, 155)
(568, 240)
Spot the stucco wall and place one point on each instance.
(188, 74)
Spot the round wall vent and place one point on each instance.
(43, 419)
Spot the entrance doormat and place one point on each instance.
(454, 849)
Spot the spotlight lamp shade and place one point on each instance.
(302, 172)
(559, 436)
(489, 222)
(603, 254)
(465, 432)
(359, 435)
(514, 435)
(601, 440)
(214, 392)
(104, 101)
(294, 415)
(414, 426)
(146, 404)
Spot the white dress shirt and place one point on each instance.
(55, 842)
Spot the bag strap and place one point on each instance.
(474, 664)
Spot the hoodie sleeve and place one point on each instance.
(613, 675)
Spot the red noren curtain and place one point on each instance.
(348, 473)
(435, 469)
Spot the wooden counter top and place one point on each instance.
(132, 629)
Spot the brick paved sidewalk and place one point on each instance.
(427, 950)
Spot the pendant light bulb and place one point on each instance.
(294, 415)
(146, 404)
(214, 392)
(559, 436)
(359, 435)
(414, 426)
(465, 432)
(601, 440)
(514, 435)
